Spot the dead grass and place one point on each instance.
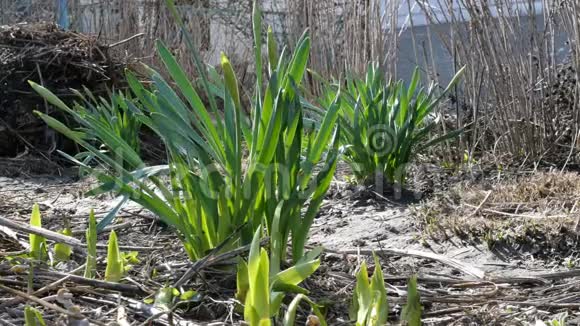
(536, 213)
(543, 193)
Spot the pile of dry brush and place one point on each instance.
(57, 59)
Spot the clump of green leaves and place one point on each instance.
(385, 124)
(101, 121)
(91, 238)
(166, 297)
(115, 113)
(38, 249)
(263, 291)
(369, 303)
(227, 171)
(33, 317)
(115, 263)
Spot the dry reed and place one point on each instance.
(511, 55)
(508, 95)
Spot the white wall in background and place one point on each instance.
(439, 7)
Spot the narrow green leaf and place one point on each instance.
(277, 240)
(379, 313)
(297, 273)
(412, 310)
(281, 287)
(242, 281)
(450, 135)
(257, 31)
(323, 136)
(414, 82)
(108, 219)
(178, 74)
(364, 295)
(50, 97)
(91, 238)
(299, 61)
(37, 243)
(188, 295)
(272, 51)
(261, 290)
(290, 316)
(231, 82)
(195, 53)
(451, 84)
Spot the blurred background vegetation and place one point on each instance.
(519, 92)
